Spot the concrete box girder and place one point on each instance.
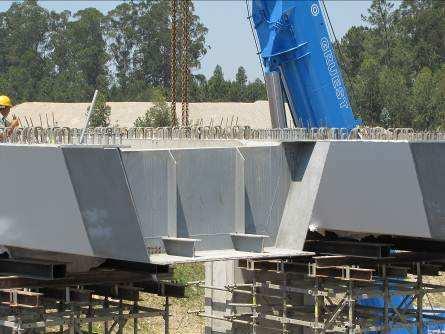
(38, 203)
(120, 202)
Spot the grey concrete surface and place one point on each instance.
(307, 161)
(121, 202)
(267, 179)
(105, 202)
(429, 159)
(210, 195)
(152, 179)
(371, 188)
(37, 201)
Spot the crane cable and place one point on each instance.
(339, 48)
(249, 18)
(173, 67)
(185, 18)
(185, 68)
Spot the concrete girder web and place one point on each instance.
(210, 203)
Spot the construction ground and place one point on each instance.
(123, 114)
(290, 216)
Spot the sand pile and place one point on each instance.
(124, 114)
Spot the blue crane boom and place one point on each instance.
(295, 46)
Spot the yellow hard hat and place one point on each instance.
(5, 101)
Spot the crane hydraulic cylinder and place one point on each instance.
(294, 42)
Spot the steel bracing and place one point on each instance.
(328, 294)
(106, 300)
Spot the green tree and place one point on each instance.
(88, 46)
(353, 48)
(121, 31)
(24, 46)
(395, 64)
(421, 100)
(140, 43)
(237, 89)
(366, 101)
(241, 76)
(158, 115)
(101, 112)
(393, 92)
(256, 91)
(217, 86)
(65, 81)
(198, 88)
(439, 96)
(79, 56)
(218, 89)
(381, 17)
(428, 99)
(422, 30)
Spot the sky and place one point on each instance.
(229, 36)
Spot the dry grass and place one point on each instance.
(182, 320)
(436, 300)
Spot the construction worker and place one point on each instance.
(5, 108)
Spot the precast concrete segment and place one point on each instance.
(113, 203)
(306, 161)
(105, 202)
(429, 159)
(210, 195)
(267, 179)
(152, 178)
(38, 205)
(372, 188)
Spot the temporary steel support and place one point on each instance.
(72, 304)
(166, 315)
(373, 250)
(32, 269)
(74, 315)
(385, 301)
(90, 278)
(137, 267)
(336, 305)
(419, 313)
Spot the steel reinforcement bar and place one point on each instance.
(119, 136)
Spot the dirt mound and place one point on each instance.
(124, 114)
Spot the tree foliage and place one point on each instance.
(65, 56)
(395, 65)
(158, 115)
(218, 89)
(101, 112)
(24, 45)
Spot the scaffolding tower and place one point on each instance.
(371, 289)
(41, 297)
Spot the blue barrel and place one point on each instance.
(429, 326)
(294, 41)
